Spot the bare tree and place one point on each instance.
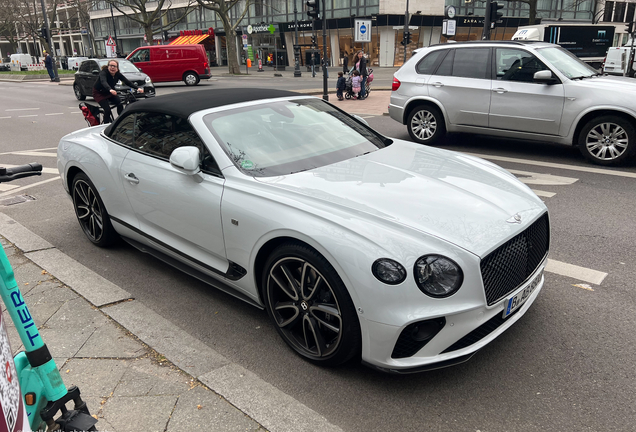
(9, 16)
(222, 9)
(532, 15)
(150, 20)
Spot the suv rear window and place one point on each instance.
(428, 64)
(466, 63)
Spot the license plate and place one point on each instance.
(515, 302)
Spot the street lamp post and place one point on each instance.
(297, 72)
(406, 27)
(325, 73)
(112, 16)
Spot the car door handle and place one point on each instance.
(131, 178)
(438, 84)
(500, 90)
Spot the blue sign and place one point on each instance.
(363, 29)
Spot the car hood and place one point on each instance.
(135, 76)
(606, 82)
(461, 199)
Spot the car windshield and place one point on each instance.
(285, 137)
(124, 66)
(567, 63)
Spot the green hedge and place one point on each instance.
(40, 72)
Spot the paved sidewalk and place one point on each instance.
(136, 370)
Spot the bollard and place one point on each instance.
(260, 65)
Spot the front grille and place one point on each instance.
(510, 265)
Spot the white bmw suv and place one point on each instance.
(516, 89)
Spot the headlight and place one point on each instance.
(437, 276)
(388, 271)
(148, 80)
(118, 83)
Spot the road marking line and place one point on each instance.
(5, 117)
(29, 186)
(581, 273)
(34, 153)
(528, 177)
(22, 109)
(556, 165)
(34, 150)
(55, 114)
(44, 169)
(6, 187)
(543, 193)
(31, 115)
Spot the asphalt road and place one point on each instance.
(568, 365)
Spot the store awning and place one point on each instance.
(182, 40)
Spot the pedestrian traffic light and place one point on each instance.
(44, 33)
(495, 14)
(313, 9)
(407, 38)
(630, 27)
(313, 40)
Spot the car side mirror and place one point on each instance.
(545, 76)
(95, 72)
(186, 159)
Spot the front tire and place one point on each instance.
(310, 306)
(426, 125)
(190, 79)
(608, 140)
(78, 93)
(91, 213)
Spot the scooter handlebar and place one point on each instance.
(28, 170)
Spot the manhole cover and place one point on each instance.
(16, 200)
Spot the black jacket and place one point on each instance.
(106, 82)
(363, 66)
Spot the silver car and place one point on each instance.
(516, 89)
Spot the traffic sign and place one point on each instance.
(110, 42)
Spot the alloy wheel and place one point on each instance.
(424, 125)
(88, 210)
(607, 141)
(305, 307)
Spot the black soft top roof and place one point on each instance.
(185, 103)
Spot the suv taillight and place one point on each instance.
(396, 84)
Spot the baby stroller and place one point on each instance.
(348, 93)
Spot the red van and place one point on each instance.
(163, 63)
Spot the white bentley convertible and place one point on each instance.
(358, 246)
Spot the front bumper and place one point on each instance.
(463, 334)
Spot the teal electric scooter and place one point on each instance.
(40, 383)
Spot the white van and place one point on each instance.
(21, 62)
(74, 62)
(616, 60)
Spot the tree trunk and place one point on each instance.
(230, 44)
(149, 37)
(533, 13)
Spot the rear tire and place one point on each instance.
(608, 140)
(78, 92)
(426, 125)
(91, 213)
(190, 79)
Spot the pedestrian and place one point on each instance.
(345, 63)
(361, 66)
(48, 62)
(340, 85)
(104, 91)
(356, 81)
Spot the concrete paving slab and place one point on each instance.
(200, 409)
(144, 413)
(109, 341)
(65, 343)
(145, 377)
(17, 234)
(185, 351)
(77, 311)
(94, 377)
(272, 408)
(84, 281)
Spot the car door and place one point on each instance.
(86, 77)
(462, 85)
(179, 212)
(520, 104)
(141, 58)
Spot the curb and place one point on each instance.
(262, 402)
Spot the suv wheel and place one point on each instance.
(190, 78)
(426, 125)
(78, 92)
(608, 140)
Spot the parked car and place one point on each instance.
(5, 64)
(164, 63)
(86, 77)
(20, 62)
(357, 245)
(516, 89)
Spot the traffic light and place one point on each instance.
(313, 40)
(495, 15)
(630, 27)
(407, 38)
(313, 9)
(165, 35)
(44, 33)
